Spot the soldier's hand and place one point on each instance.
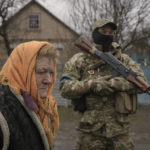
(90, 83)
(100, 79)
(100, 86)
(120, 84)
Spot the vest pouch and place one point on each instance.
(125, 103)
(134, 102)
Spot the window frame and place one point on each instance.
(29, 23)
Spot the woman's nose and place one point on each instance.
(48, 78)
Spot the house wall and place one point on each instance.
(50, 28)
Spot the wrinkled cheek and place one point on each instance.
(38, 83)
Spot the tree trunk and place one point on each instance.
(6, 40)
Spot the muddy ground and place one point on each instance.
(65, 139)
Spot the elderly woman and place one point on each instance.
(28, 112)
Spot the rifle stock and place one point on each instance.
(84, 44)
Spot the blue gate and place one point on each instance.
(145, 65)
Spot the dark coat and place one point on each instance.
(24, 134)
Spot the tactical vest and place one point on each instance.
(123, 102)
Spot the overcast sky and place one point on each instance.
(60, 8)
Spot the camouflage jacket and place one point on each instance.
(103, 100)
(77, 70)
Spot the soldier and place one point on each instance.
(109, 102)
(28, 112)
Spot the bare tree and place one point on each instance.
(7, 9)
(130, 17)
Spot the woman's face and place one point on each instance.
(44, 71)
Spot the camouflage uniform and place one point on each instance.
(105, 123)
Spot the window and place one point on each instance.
(34, 21)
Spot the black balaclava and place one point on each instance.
(104, 40)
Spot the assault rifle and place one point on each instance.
(106, 57)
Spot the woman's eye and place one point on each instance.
(51, 73)
(40, 72)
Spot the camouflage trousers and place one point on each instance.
(89, 142)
